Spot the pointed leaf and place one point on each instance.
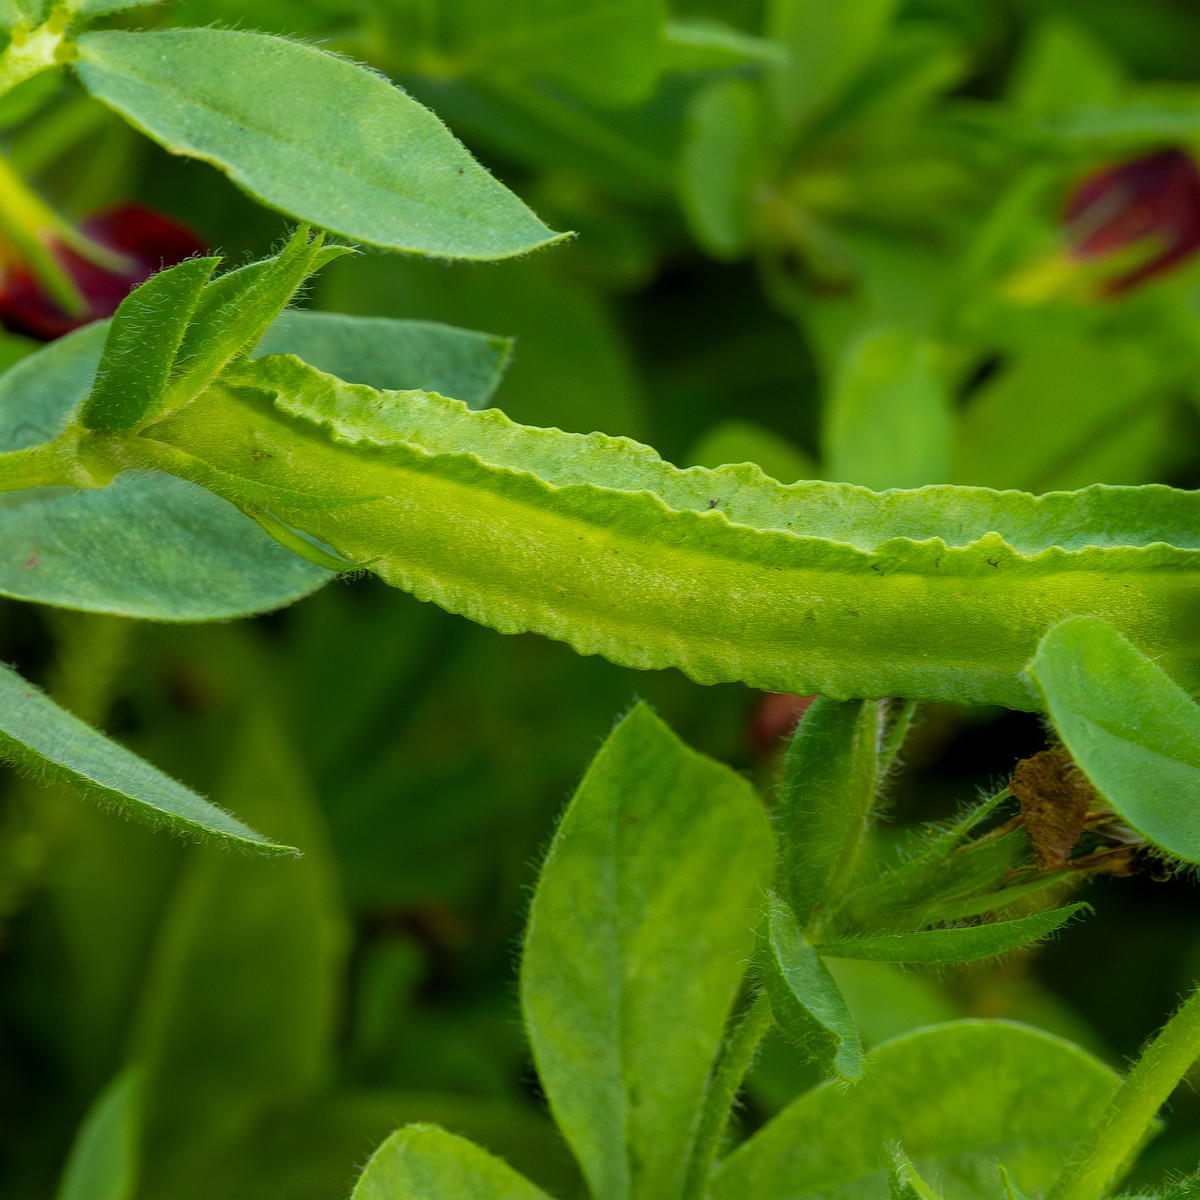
(904, 1180)
(38, 736)
(1132, 729)
(143, 340)
(103, 1163)
(807, 1004)
(312, 135)
(826, 794)
(955, 1097)
(932, 946)
(390, 354)
(422, 1162)
(638, 938)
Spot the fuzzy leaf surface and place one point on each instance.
(423, 1162)
(638, 937)
(934, 946)
(1131, 728)
(148, 545)
(956, 1097)
(311, 135)
(806, 1002)
(46, 740)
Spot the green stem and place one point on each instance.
(32, 51)
(52, 464)
(1103, 1155)
(736, 1058)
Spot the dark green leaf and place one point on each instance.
(143, 340)
(49, 742)
(805, 1001)
(933, 946)
(312, 135)
(389, 354)
(1131, 728)
(638, 938)
(103, 1163)
(826, 794)
(422, 1162)
(955, 1097)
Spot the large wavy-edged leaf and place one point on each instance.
(1131, 728)
(939, 593)
(146, 546)
(383, 352)
(312, 135)
(957, 1097)
(638, 938)
(52, 744)
(967, 944)
(423, 1162)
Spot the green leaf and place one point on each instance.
(422, 1162)
(605, 52)
(904, 1180)
(143, 339)
(719, 168)
(240, 1007)
(385, 353)
(312, 135)
(49, 742)
(887, 423)
(1063, 65)
(826, 794)
(806, 1002)
(936, 593)
(103, 1163)
(1132, 729)
(737, 441)
(827, 43)
(968, 944)
(99, 8)
(955, 1096)
(704, 44)
(148, 545)
(638, 937)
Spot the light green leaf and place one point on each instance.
(720, 166)
(103, 1163)
(887, 422)
(704, 44)
(1063, 65)
(98, 8)
(1132, 729)
(49, 742)
(12, 13)
(312, 135)
(936, 593)
(604, 51)
(827, 43)
(148, 545)
(968, 944)
(139, 351)
(385, 353)
(826, 797)
(638, 937)
(955, 1096)
(422, 1162)
(904, 1180)
(805, 1001)
(240, 1006)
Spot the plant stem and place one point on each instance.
(52, 464)
(740, 1049)
(32, 51)
(1101, 1157)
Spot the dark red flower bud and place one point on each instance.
(146, 241)
(777, 714)
(1150, 203)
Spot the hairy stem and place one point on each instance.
(1100, 1159)
(736, 1058)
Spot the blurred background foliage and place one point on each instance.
(841, 240)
